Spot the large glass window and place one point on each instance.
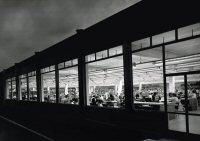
(105, 81)
(189, 31)
(163, 38)
(143, 43)
(23, 87)
(183, 56)
(148, 79)
(48, 85)
(68, 83)
(14, 94)
(8, 89)
(32, 86)
(11, 89)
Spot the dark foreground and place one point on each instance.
(10, 131)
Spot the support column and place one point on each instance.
(128, 75)
(39, 87)
(82, 81)
(38, 78)
(28, 92)
(18, 88)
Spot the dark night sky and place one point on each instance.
(27, 26)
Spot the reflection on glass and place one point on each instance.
(105, 83)
(68, 86)
(32, 88)
(148, 80)
(177, 122)
(194, 124)
(48, 87)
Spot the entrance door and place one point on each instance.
(183, 102)
(176, 105)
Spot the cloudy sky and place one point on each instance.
(27, 26)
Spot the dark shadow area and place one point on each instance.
(11, 132)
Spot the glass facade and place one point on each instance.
(105, 80)
(32, 86)
(48, 85)
(165, 70)
(68, 83)
(8, 89)
(148, 90)
(23, 87)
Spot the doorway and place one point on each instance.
(183, 102)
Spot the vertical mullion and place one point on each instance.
(38, 82)
(151, 41)
(176, 34)
(165, 85)
(186, 103)
(17, 88)
(164, 78)
(128, 76)
(57, 83)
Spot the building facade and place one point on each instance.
(138, 69)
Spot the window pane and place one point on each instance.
(177, 122)
(163, 38)
(193, 82)
(183, 56)
(32, 89)
(75, 62)
(61, 65)
(30, 73)
(188, 31)
(115, 51)
(23, 88)
(194, 124)
(14, 94)
(68, 63)
(89, 58)
(8, 89)
(46, 69)
(102, 54)
(175, 94)
(148, 80)
(143, 43)
(105, 83)
(51, 68)
(48, 87)
(68, 83)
